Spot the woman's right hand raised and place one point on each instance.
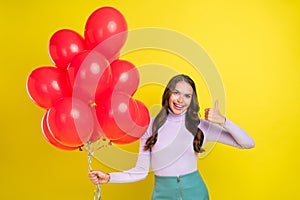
(99, 177)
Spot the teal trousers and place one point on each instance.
(186, 187)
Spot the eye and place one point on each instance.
(175, 92)
(188, 96)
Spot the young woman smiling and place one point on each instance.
(173, 141)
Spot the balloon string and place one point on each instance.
(97, 195)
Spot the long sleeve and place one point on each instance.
(228, 133)
(140, 171)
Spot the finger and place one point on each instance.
(92, 174)
(217, 104)
(94, 178)
(206, 116)
(207, 110)
(95, 182)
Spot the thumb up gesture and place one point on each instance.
(214, 115)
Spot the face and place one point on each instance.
(181, 97)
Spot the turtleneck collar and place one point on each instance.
(176, 117)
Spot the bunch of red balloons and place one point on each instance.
(87, 94)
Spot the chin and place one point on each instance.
(177, 112)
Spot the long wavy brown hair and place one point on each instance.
(191, 118)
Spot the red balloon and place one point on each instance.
(126, 139)
(89, 73)
(142, 121)
(45, 85)
(70, 121)
(64, 45)
(49, 137)
(106, 30)
(141, 124)
(125, 77)
(114, 114)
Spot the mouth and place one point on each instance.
(178, 106)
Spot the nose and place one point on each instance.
(179, 99)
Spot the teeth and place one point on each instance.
(178, 106)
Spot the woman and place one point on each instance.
(172, 144)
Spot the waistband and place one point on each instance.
(177, 177)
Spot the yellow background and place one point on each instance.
(255, 46)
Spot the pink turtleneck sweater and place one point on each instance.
(173, 153)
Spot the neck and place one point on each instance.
(176, 117)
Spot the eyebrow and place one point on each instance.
(181, 92)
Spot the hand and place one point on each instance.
(99, 177)
(214, 115)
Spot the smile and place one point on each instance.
(178, 106)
